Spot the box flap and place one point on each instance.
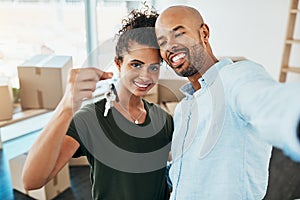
(43, 80)
(48, 61)
(58, 61)
(4, 81)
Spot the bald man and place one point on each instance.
(232, 115)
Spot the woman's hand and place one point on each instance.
(81, 85)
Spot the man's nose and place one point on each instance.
(172, 46)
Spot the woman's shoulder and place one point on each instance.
(152, 105)
(90, 108)
(155, 108)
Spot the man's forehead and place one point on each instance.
(170, 23)
(169, 18)
(178, 16)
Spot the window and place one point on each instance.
(47, 26)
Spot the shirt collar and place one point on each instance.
(208, 77)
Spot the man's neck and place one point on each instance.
(195, 81)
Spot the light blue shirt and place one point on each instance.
(224, 132)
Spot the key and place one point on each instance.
(107, 107)
(113, 88)
(110, 96)
(108, 103)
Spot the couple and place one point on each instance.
(224, 128)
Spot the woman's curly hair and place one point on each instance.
(138, 27)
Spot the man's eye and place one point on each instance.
(136, 65)
(179, 34)
(162, 43)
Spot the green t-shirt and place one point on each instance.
(127, 160)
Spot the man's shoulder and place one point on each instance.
(241, 69)
(243, 64)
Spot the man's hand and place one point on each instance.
(81, 85)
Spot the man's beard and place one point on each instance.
(197, 59)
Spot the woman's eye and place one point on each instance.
(154, 68)
(136, 65)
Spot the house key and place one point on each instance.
(110, 96)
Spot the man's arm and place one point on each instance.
(272, 108)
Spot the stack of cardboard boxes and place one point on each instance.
(57, 185)
(43, 80)
(6, 102)
(166, 93)
(169, 93)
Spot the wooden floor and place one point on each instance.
(284, 183)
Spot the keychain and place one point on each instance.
(110, 96)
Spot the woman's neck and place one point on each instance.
(130, 106)
(127, 99)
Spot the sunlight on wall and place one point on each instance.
(237, 29)
(45, 28)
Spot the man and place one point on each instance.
(232, 115)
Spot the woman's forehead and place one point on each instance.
(143, 53)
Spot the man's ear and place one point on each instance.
(204, 33)
(118, 63)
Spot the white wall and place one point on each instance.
(254, 29)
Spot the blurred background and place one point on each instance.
(253, 29)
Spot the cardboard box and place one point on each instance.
(169, 107)
(81, 161)
(6, 101)
(57, 185)
(152, 95)
(168, 90)
(43, 80)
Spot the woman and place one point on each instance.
(127, 148)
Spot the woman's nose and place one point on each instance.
(144, 74)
